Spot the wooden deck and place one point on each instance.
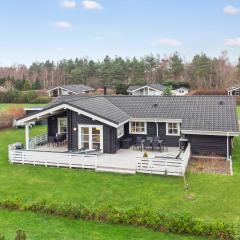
(126, 161)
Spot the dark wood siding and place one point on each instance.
(53, 123)
(109, 133)
(201, 144)
(172, 141)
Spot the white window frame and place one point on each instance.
(145, 127)
(120, 131)
(59, 119)
(172, 134)
(90, 135)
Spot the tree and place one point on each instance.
(121, 89)
(176, 66)
(167, 91)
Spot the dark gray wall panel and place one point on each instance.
(201, 144)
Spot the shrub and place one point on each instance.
(2, 237)
(182, 223)
(41, 99)
(20, 235)
(209, 92)
(7, 117)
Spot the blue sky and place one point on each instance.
(36, 30)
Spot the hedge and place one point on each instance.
(181, 223)
(13, 96)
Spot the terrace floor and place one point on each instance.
(125, 160)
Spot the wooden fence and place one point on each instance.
(165, 165)
(57, 159)
(37, 140)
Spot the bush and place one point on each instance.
(182, 223)
(41, 99)
(209, 92)
(7, 117)
(20, 235)
(13, 96)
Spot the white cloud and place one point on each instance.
(91, 5)
(167, 42)
(68, 3)
(233, 42)
(63, 25)
(231, 9)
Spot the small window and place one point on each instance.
(173, 129)
(120, 131)
(137, 128)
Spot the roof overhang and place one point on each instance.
(53, 110)
(213, 133)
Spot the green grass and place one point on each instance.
(5, 106)
(45, 227)
(238, 112)
(215, 196)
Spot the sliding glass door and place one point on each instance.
(90, 137)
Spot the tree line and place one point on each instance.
(201, 72)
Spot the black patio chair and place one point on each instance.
(51, 140)
(164, 145)
(147, 144)
(138, 143)
(155, 145)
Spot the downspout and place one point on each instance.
(156, 126)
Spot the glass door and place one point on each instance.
(90, 137)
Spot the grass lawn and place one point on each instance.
(216, 196)
(5, 106)
(238, 112)
(44, 227)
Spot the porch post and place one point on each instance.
(27, 136)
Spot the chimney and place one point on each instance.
(105, 89)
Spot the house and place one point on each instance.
(109, 123)
(155, 90)
(69, 90)
(234, 91)
(182, 91)
(148, 89)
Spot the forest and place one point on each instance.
(200, 73)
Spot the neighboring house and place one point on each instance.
(69, 90)
(182, 91)
(234, 91)
(209, 123)
(154, 90)
(148, 89)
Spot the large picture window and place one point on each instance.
(137, 128)
(173, 129)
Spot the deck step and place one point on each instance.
(115, 170)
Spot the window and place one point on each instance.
(62, 125)
(137, 128)
(173, 129)
(120, 131)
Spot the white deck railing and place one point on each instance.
(57, 159)
(165, 165)
(38, 140)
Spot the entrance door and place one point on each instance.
(90, 137)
